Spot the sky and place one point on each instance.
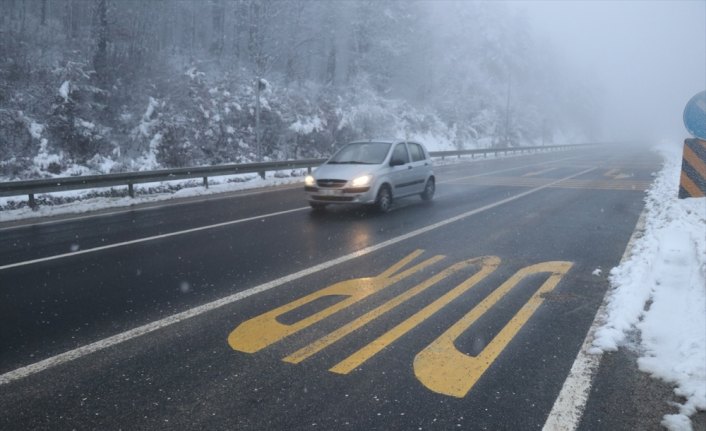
(648, 58)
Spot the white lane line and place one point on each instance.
(179, 317)
(151, 238)
(146, 239)
(452, 180)
(570, 405)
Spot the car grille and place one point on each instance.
(331, 183)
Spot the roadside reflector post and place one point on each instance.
(692, 182)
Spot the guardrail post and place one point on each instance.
(261, 174)
(130, 190)
(205, 182)
(308, 170)
(32, 202)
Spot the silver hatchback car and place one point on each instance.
(372, 173)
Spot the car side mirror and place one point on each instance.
(396, 162)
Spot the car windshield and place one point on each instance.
(364, 153)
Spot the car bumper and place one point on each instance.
(358, 195)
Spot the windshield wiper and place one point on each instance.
(354, 162)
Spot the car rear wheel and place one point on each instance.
(429, 189)
(383, 203)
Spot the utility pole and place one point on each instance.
(507, 114)
(259, 86)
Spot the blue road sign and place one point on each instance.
(695, 115)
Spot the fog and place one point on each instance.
(648, 58)
(98, 86)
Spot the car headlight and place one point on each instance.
(362, 181)
(309, 181)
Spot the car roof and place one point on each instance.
(381, 141)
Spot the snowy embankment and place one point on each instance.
(88, 200)
(659, 291)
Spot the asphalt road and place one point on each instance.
(249, 311)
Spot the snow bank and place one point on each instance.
(660, 291)
(307, 125)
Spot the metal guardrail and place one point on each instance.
(48, 185)
(496, 151)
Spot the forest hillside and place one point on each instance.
(98, 86)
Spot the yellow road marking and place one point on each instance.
(532, 174)
(617, 174)
(611, 173)
(489, 264)
(263, 330)
(442, 368)
(632, 185)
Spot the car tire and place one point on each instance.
(317, 206)
(383, 202)
(429, 189)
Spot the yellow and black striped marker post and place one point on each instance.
(693, 170)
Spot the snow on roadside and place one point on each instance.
(84, 201)
(660, 291)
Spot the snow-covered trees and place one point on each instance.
(172, 83)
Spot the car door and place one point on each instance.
(401, 175)
(421, 166)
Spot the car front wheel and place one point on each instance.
(429, 189)
(383, 203)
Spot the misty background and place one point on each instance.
(98, 86)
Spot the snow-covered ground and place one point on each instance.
(659, 293)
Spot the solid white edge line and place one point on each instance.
(79, 352)
(570, 405)
(146, 239)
